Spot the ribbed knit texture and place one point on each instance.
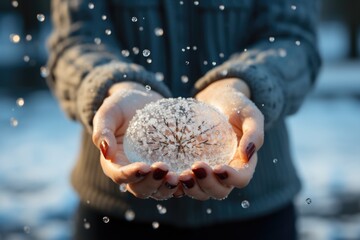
(268, 44)
(273, 186)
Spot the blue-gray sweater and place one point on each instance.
(269, 44)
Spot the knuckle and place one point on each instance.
(200, 198)
(243, 182)
(204, 199)
(96, 136)
(220, 196)
(260, 140)
(141, 195)
(160, 197)
(117, 179)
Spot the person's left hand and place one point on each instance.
(232, 97)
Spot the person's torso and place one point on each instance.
(185, 39)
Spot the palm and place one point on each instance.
(121, 158)
(113, 117)
(110, 124)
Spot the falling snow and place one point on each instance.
(15, 38)
(245, 204)
(20, 102)
(106, 219)
(108, 32)
(97, 41)
(158, 32)
(15, 4)
(91, 5)
(129, 215)
(28, 37)
(134, 19)
(40, 17)
(125, 52)
(146, 52)
(155, 225)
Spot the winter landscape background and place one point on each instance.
(38, 144)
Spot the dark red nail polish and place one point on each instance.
(223, 175)
(159, 174)
(250, 150)
(104, 148)
(188, 183)
(169, 185)
(141, 174)
(200, 173)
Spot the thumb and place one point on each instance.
(252, 138)
(105, 123)
(248, 123)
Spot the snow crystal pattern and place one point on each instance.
(180, 131)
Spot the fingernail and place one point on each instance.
(159, 174)
(141, 174)
(250, 149)
(104, 148)
(200, 173)
(169, 185)
(223, 175)
(188, 183)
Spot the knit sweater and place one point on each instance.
(271, 45)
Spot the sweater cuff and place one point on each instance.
(95, 86)
(265, 86)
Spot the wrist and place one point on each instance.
(128, 85)
(229, 84)
(237, 84)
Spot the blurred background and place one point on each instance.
(36, 199)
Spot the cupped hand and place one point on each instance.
(232, 97)
(109, 127)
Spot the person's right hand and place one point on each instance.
(109, 126)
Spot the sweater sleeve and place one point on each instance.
(281, 61)
(85, 59)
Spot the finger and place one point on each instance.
(248, 124)
(252, 136)
(179, 193)
(236, 174)
(168, 188)
(105, 123)
(151, 183)
(208, 182)
(130, 173)
(190, 187)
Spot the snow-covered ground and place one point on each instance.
(326, 134)
(37, 201)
